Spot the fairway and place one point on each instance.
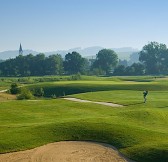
(137, 130)
(84, 81)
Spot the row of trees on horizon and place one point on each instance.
(153, 60)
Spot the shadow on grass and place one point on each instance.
(139, 103)
(164, 107)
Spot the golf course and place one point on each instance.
(138, 130)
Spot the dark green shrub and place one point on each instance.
(14, 88)
(53, 96)
(26, 80)
(25, 94)
(97, 72)
(76, 77)
(39, 92)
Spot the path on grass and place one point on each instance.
(101, 103)
(69, 151)
(5, 90)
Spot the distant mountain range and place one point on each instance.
(123, 53)
(13, 53)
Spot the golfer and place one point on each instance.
(144, 95)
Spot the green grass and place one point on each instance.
(4, 85)
(75, 87)
(138, 130)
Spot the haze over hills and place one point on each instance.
(123, 53)
(13, 53)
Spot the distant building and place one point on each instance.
(20, 50)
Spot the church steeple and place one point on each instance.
(20, 50)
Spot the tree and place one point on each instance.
(153, 56)
(163, 60)
(85, 66)
(32, 65)
(73, 63)
(54, 65)
(14, 88)
(97, 71)
(38, 65)
(129, 70)
(138, 69)
(106, 59)
(123, 62)
(119, 70)
(134, 69)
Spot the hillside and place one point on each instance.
(123, 53)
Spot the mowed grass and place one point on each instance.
(138, 130)
(74, 87)
(127, 97)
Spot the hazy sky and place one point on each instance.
(48, 25)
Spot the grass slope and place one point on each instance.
(140, 132)
(74, 87)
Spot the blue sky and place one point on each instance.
(48, 25)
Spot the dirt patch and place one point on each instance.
(101, 103)
(70, 151)
(6, 96)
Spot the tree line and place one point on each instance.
(32, 65)
(73, 63)
(153, 60)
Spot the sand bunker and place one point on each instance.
(67, 152)
(101, 103)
